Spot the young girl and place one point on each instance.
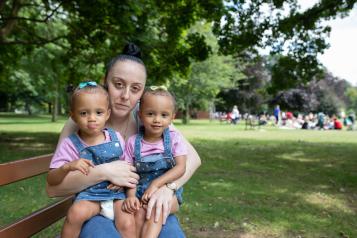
(92, 145)
(159, 155)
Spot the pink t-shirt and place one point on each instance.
(147, 148)
(66, 151)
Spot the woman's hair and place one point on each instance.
(130, 52)
(88, 87)
(161, 91)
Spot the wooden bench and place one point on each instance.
(35, 222)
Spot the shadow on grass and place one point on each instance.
(273, 189)
(21, 145)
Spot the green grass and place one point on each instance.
(256, 183)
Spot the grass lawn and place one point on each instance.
(252, 183)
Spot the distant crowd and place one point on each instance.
(287, 120)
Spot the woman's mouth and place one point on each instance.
(121, 106)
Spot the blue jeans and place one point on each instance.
(101, 227)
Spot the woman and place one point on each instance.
(125, 79)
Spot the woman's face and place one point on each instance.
(126, 82)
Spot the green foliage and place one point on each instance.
(205, 78)
(288, 72)
(352, 97)
(283, 29)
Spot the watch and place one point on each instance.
(172, 186)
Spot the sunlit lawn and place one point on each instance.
(256, 183)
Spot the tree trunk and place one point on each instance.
(55, 104)
(28, 108)
(186, 114)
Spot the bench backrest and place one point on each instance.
(33, 223)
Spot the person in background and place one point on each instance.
(235, 115)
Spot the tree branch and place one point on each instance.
(41, 41)
(16, 18)
(11, 23)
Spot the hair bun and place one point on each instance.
(132, 50)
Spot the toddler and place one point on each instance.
(92, 145)
(159, 154)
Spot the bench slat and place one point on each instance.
(38, 220)
(22, 169)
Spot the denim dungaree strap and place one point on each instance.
(167, 155)
(99, 154)
(152, 166)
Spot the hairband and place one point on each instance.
(154, 88)
(87, 84)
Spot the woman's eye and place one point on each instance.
(135, 89)
(119, 85)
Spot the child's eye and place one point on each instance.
(164, 115)
(150, 113)
(83, 114)
(99, 113)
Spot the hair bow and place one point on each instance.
(86, 84)
(162, 87)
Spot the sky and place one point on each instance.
(340, 58)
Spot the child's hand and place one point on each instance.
(114, 187)
(131, 205)
(82, 165)
(149, 192)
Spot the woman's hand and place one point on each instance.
(149, 192)
(121, 173)
(162, 201)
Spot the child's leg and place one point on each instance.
(140, 217)
(77, 214)
(151, 229)
(124, 222)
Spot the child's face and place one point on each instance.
(90, 112)
(156, 113)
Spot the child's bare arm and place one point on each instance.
(56, 176)
(131, 204)
(171, 175)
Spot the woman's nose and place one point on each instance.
(125, 93)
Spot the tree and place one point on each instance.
(249, 91)
(280, 26)
(203, 83)
(199, 87)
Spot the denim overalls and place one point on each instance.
(99, 154)
(152, 166)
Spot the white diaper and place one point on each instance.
(107, 209)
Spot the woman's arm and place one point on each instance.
(162, 198)
(118, 172)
